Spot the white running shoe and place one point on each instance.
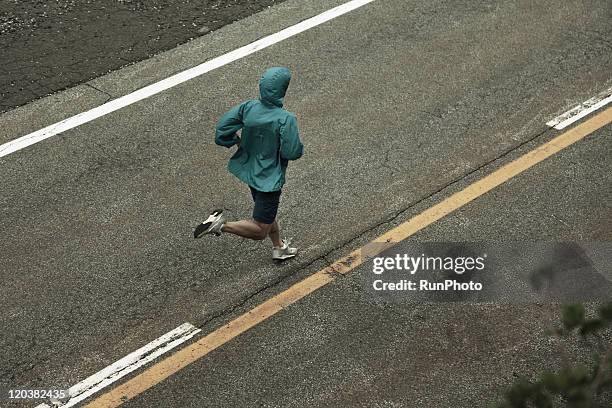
(284, 252)
(212, 225)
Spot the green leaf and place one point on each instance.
(573, 315)
(542, 400)
(553, 332)
(552, 382)
(592, 326)
(580, 375)
(606, 312)
(577, 394)
(519, 393)
(564, 378)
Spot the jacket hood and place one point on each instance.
(273, 85)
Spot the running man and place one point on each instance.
(268, 141)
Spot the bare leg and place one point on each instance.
(274, 235)
(248, 229)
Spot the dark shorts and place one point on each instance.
(266, 205)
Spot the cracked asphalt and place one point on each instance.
(399, 104)
(48, 46)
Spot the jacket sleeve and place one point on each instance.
(291, 148)
(228, 125)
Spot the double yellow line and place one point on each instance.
(170, 365)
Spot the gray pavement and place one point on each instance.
(398, 103)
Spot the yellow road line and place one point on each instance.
(170, 365)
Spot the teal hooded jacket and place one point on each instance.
(269, 137)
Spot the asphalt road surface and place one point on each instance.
(400, 104)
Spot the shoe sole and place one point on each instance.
(284, 257)
(204, 227)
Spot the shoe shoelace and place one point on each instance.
(286, 242)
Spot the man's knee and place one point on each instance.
(260, 236)
(264, 230)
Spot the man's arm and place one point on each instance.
(291, 148)
(228, 125)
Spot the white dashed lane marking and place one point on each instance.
(582, 110)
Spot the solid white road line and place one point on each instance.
(127, 364)
(581, 110)
(88, 116)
